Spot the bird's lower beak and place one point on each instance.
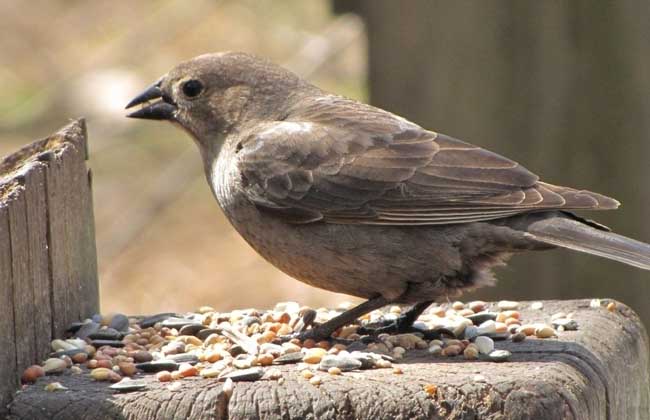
(163, 109)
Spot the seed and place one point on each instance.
(101, 374)
(508, 305)
(536, 306)
(264, 359)
(430, 389)
(382, 363)
(471, 353)
(164, 376)
(458, 305)
(228, 387)
(451, 351)
(31, 374)
(477, 306)
(334, 371)
(545, 332)
(314, 355)
(127, 368)
(187, 370)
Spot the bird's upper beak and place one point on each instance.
(163, 109)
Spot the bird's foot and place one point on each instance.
(403, 325)
(316, 333)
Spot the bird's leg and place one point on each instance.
(325, 330)
(403, 324)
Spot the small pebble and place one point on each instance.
(307, 374)
(566, 324)
(487, 327)
(316, 380)
(289, 358)
(119, 322)
(157, 366)
(479, 378)
(500, 355)
(611, 306)
(397, 370)
(211, 372)
(485, 345)
(518, 337)
(508, 305)
(54, 365)
(595, 303)
(251, 374)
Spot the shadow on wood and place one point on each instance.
(48, 265)
(597, 372)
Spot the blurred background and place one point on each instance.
(562, 87)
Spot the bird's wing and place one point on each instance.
(340, 161)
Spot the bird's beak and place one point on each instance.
(162, 109)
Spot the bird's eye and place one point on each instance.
(192, 88)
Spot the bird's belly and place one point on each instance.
(363, 261)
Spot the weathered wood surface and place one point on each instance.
(48, 265)
(597, 372)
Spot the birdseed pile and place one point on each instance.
(246, 345)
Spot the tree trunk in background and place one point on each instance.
(562, 87)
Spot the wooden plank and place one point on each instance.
(597, 372)
(23, 284)
(48, 264)
(61, 297)
(8, 381)
(36, 207)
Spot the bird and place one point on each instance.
(351, 198)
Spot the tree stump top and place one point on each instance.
(597, 372)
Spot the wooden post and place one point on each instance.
(598, 372)
(48, 263)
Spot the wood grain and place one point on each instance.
(597, 372)
(48, 263)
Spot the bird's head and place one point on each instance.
(213, 94)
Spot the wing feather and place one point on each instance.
(339, 161)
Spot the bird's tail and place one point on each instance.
(567, 232)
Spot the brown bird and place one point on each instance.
(353, 199)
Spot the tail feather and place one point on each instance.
(573, 234)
